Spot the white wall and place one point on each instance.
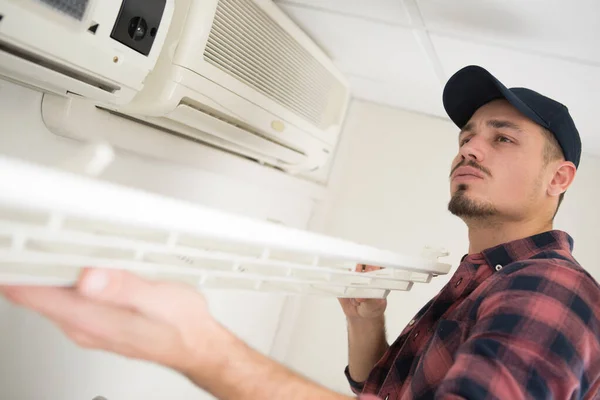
(37, 362)
(390, 188)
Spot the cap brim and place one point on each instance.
(471, 88)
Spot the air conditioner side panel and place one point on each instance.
(35, 76)
(69, 44)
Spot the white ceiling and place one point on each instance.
(401, 52)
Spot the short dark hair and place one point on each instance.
(552, 152)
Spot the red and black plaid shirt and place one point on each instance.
(517, 321)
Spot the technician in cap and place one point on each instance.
(519, 318)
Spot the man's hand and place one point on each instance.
(168, 324)
(119, 312)
(366, 331)
(363, 308)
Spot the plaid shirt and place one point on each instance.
(519, 320)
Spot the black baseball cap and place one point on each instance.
(473, 86)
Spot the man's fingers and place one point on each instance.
(101, 326)
(64, 306)
(361, 268)
(167, 302)
(367, 268)
(125, 332)
(6, 291)
(109, 287)
(117, 287)
(48, 301)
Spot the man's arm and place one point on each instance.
(366, 345)
(535, 336)
(247, 374)
(366, 334)
(168, 324)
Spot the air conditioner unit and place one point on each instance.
(239, 74)
(98, 49)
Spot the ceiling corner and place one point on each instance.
(422, 36)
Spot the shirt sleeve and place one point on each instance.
(535, 336)
(357, 387)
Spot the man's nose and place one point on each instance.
(473, 150)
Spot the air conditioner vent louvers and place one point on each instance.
(73, 8)
(246, 43)
(237, 124)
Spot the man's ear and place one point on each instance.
(562, 178)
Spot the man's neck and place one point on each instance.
(486, 234)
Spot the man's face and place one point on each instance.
(499, 168)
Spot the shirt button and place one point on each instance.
(412, 322)
(498, 267)
(416, 335)
(458, 282)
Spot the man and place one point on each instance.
(518, 320)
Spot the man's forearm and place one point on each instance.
(242, 373)
(366, 345)
(168, 324)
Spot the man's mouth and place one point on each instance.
(467, 173)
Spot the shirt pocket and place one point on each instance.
(439, 354)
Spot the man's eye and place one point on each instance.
(504, 139)
(464, 141)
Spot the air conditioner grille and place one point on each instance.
(72, 8)
(248, 44)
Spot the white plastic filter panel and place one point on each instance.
(54, 223)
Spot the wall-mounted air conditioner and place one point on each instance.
(240, 75)
(236, 74)
(98, 49)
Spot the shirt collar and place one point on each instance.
(523, 249)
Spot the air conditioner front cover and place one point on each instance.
(244, 62)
